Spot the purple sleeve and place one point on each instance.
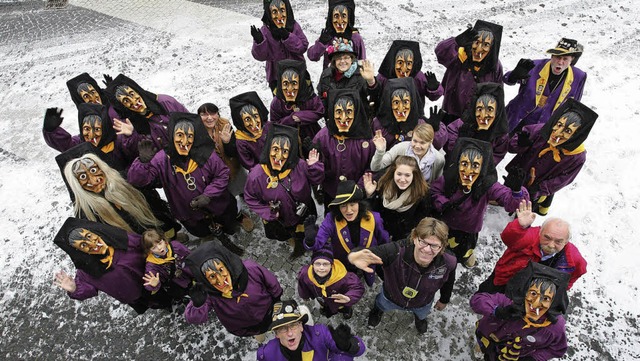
(500, 147)
(270, 282)
(315, 52)
(129, 144)
(437, 194)
(358, 46)
(505, 197)
(315, 173)
(60, 140)
(452, 135)
(313, 113)
(142, 174)
(355, 288)
(382, 236)
(570, 171)
(484, 303)
(303, 290)
(245, 155)
(441, 137)
(447, 52)
(84, 289)
(219, 173)
(198, 315)
(296, 42)
(434, 95)
(325, 231)
(253, 196)
(262, 51)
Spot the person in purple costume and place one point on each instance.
(296, 104)
(279, 188)
(470, 58)
(279, 38)
(296, 340)
(462, 194)
(165, 268)
(545, 84)
(193, 177)
(148, 112)
(348, 224)
(338, 28)
(345, 143)
(250, 116)
(107, 259)
(486, 121)
(327, 281)
(526, 323)
(241, 292)
(549, 156)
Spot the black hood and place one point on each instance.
(500, 124)
(108, 133)
(211, 250)
(490, 62)
(488, 175)
(385, 112)
(266, 15)
(113, 236)
(388, 65)
(73, 84)
(351, 6)
(361, 128)
(518, 285)
(588, 119)
(281, 130)
(305, 91)
(237, 102)
(202, 147)
(139, 121)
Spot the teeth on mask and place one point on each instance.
(537, 312)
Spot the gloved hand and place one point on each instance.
(198, 295)
(52, 119)
(200, 201)
(435, 117)
(521, 70)
(523, 139)
(146, 150)
(466, 37)
(107, 79)
(325, 36)
(344, 339)
(432, 82)
(280, 33)
(307, 145)
(515, 179)
(257, 35)
(310, 230)
(507, 312)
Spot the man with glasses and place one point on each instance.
(414, 270)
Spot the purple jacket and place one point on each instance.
(211, 179)
(458, 82)
(123, 282)
(319, 50)
(249, 152)
(160, 122)
(318, 344)
(310, 112)
(468, 216)
(296, 187)
(182, 276)
(500, 144)
(341, 281)
(272, 50)
(540, 343)
(550, 176)
(523, 106)
(244, 311)
(352, 163)
(421, 85)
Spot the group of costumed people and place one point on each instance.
(404, 193)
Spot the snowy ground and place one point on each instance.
(196, 53)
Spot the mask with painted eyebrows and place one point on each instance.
(278, 11)
(344, 114)
(89, 175)
(131, 99)
(251, 119)
(88, 93)
(92, 129)
(539, 298)
(218, 275)
(183, 136)
(481, 45)
(279, 152)
(340, 18)
(486, 111)
(290, 85)
(88, 242)
(404, 63)
(469, 167)
(401, 104)
(564, 128)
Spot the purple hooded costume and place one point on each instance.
(248, 145)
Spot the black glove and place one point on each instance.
(325, 36)
(146, 150)
(524, 140)
(257, 35)
(310, 230)
(432, 82)
(280, 33)
(52, 119)
(521, 70)
(307, 145)
(466, 37)
(107, 79)
(435, 117)
(515, 179)
(507, 312)
(344, 339)
(198, 295)
(200, 201)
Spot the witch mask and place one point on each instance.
(89, 175)
(344, 114)
(131, 99)
(183, 137)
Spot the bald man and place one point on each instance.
(548, 245)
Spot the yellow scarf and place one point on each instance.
(368, 225)
(556, 152)
(151, 258)
(108, 148)
(242, 135)
(528, 323)
(108, 258)
(273, 181)
(190, 168)
(462, 56)
(338, 271)
(541, 83)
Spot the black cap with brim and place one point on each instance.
(348, 191)
(285, 313)
(566, 47)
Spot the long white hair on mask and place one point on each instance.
(99, 208)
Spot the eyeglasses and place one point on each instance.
(287, 328)
(424, 243)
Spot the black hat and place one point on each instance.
(348, 191)
(340, 46)
(500, 124)
(387, 66)
(286, 312)
(324, 253)
(203, 145)
(84, 78)
(305, 91)
(249, 98)
(587, 119)
(488, 175)
(568, 47)
(351, 6)
(279, 130)
(266, 16)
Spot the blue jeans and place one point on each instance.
(385, 305)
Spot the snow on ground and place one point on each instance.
(200, 51)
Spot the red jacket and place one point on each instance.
(524, 245)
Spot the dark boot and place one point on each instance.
(421, 325)
(216, 229)
(298, 249)
(375, 316)
(347, 312)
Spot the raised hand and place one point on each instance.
(363, 259)
(256, 34)
(151, 280)
(466, 37)
(146, 150)
(379, 141)
(432, 81)
(121, 127)
(515, 179)
(314, 156)
(340, 298)
(367, 72)
(370, 185)
(435, 117)
(65, 282)
(107, 79)
(525, 215)
(225, 134)
(521, 70)
(325, 36)
(52, 119)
